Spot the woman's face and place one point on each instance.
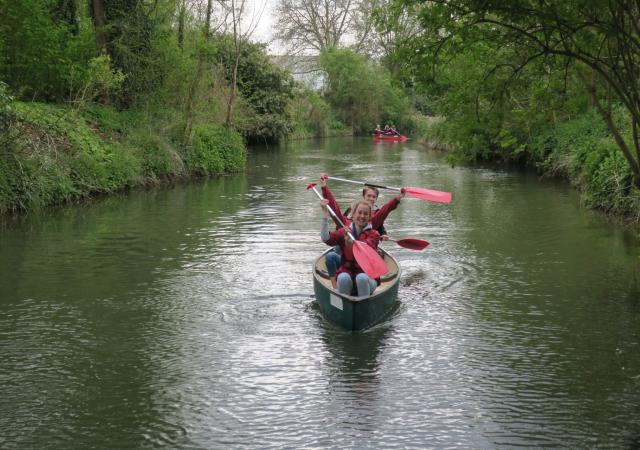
(370, 196)
(361, 215)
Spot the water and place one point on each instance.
(184, 317)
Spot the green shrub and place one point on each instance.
(565, 149)
(215, 149)
(310, 113)
(608, 180)
(97, 79)
(158, 159)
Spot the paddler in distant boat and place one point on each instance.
(378, 130)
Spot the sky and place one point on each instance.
(263, 32)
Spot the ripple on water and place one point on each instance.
(186, 318)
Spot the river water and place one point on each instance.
(184, 317)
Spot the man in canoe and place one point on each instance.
(361, 229)
(370, 195)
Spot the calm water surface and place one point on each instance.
(184, 318)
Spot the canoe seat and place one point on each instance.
(386, 277)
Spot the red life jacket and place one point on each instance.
(349, 264)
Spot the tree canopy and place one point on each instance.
(596, 41)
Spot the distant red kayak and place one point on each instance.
(387, 138)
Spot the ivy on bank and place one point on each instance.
(53, 154)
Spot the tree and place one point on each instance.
(599, 40)
(266, 90)
(236, 16)
(235, 11)
(40, 46)
(360, 91)
(310, 26)
(100, 22)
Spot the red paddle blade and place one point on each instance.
(428, 194)
(412, 244)
(369, 260)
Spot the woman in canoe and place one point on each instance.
(361, 229)
(370, 195)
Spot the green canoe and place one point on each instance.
(356, 313)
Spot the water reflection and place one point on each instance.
(353, 376)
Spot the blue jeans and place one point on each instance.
(364, 284)
(333, 261)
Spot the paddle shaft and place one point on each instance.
(421, 193)
(365, 184)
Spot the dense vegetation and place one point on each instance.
(550, 84)
(126, 93)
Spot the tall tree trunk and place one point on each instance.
(207, 25)
(182, 13)
(234, 78)
(234, 88)
(193, 88)
(189, 107)
(100, 22)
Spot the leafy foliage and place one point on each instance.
(310, 113)
(594, 42)
(39, 52)
(215, 149)
(265, 88)
(361, 93)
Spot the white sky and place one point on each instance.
(263, 31)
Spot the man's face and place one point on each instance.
(370, 197)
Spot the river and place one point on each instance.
(184, 317)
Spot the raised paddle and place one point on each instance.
(421, 193)
(367, 258)
(411, 243)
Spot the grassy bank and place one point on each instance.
(51, 154)
(580, 150)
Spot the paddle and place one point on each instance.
(368, 259)
(411, 243)
(421, 193)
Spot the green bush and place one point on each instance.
(159, 160)
(215, 149)
(310, 114)
(564, 149)
(608, 180)
(583, 151)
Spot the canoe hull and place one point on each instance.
(383, 138)
(355, 313)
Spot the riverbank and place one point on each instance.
(580, 150)
(52, 154)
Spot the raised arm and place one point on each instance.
(326, 193)
(330, 238)
(379, 216)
